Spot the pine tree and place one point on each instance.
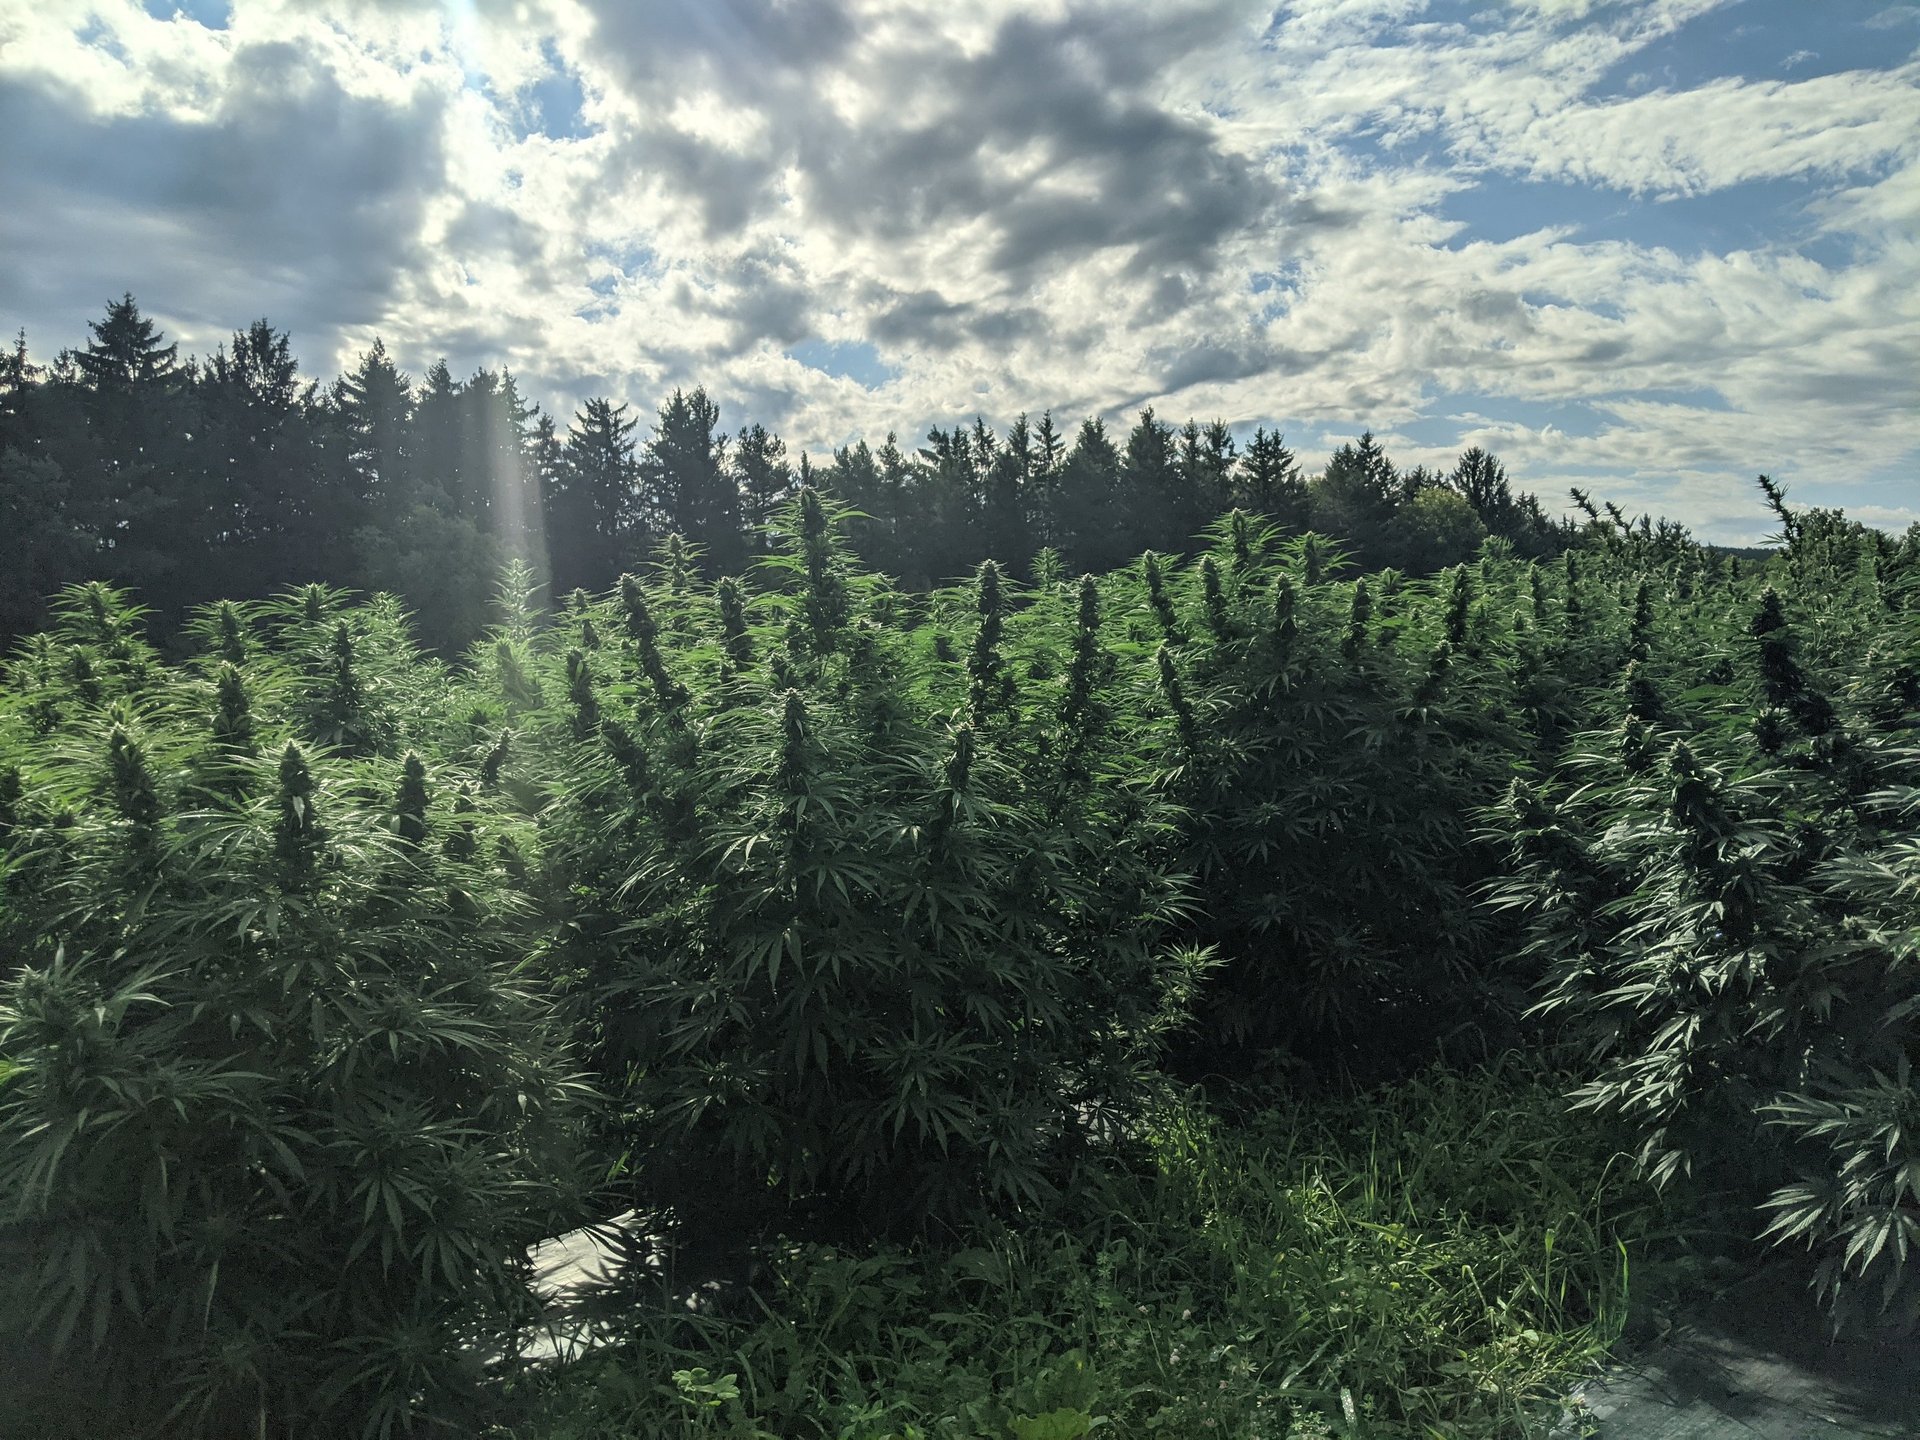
(1205, 467)
(439, 476)
(954, 491)
(686, 487)
(593, 513)
(1268, 481)
(546, 479)
(374, 403)
(125, 352)
(1006, 528)
(1354, 498)
(496, 464)
(1481, 480)
(126, 465)
(763, 478)
(19, 379)
(1087, 520)
(1150, 489)
(285, 506)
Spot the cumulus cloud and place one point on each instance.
(288, 193)
(1345, 213)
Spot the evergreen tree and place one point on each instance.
(877, 485)
(438, 476)
(494, 467)
(374, 404)
(763, 478)
(1049, 448)
(285, 508)
(19, 379)
(1268, 481)
(41, 546)
(1354, 498)
(1048, 451)
(126, 352)
(1006, 527)
(546, 479)
(593, 515)
(1088, 522)
(954, 491)
(686, 487)
(896, 496)
(1150, 488)
(126, 463)
(1481, 480)
(1205, 469)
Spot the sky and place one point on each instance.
(1652, 248)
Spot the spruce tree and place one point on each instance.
(686, 486)
(594, 520)
(1268, 481)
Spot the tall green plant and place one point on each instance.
(282, 1108)
(1718, 894)
(838, 950)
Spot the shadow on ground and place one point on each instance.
(1755, 1363)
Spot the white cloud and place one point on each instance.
(1016, 205)
(1694, 141)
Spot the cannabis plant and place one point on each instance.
(844, 957)
(1719, 889)
(282, 1108)
(1323, 776)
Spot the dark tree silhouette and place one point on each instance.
(238, 477)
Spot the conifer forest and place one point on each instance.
(1052, 930)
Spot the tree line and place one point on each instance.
(233, 476)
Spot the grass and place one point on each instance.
(1438, 1259)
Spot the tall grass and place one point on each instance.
(1435, 1259)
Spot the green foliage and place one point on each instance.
(280, 1111)
(124, 462)
(1324, 768)
(881, 918)
(1720, 897)
(828, 942)
(1438, 1258)
(1435, 528)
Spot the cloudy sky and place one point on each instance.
(1652, 247)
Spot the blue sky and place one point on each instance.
(1651, 247)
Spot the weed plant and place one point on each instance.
(881, 925)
